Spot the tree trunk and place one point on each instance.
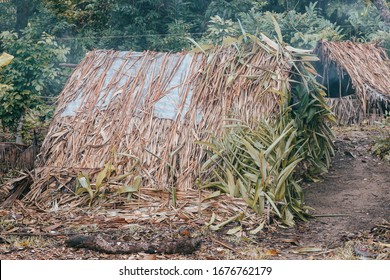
(19, 129)
(383, 10)
(23, 11)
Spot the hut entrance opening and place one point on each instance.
(336, 81)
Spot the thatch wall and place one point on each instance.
(143, 112)
(368, 68)
(16, 156)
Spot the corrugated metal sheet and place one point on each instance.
(171, 70)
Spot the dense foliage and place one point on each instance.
(31, 79)
(164, 25)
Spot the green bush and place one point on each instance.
(32, 79)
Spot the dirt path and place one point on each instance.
(358, 185)
(353, 198)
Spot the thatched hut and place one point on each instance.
(134, 119)
(357, 79)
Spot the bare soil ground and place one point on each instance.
(351, 221)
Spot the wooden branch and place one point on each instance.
(47, 234)
(99, 243)
(224, 245)
(69, 65)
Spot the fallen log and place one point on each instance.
(100, 244)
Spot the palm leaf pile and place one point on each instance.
(368, 68)
(134, 129)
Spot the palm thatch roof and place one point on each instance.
(143, 112)
(362, 69)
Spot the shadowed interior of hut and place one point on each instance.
(355, 79)
(337, 82)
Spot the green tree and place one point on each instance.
(220, 29)
(137, 25)
(16, 13)
(32, 76)
(229, 9)
(298, 29)
(7, 15)
(383, 10)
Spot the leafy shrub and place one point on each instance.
(32, 78)
(258, 165)
(299, 29)
(218, 29)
